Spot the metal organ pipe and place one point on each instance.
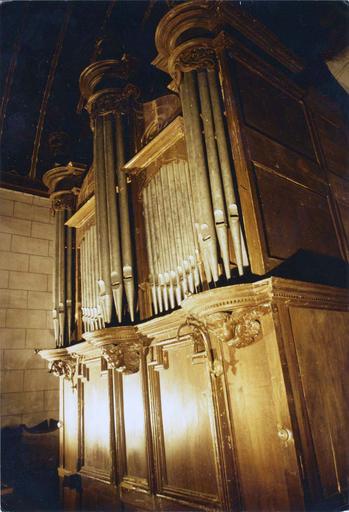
(214, 171)
(126, 244)
(231, 203)
(112, 214)
(206, 222)
(104, 279)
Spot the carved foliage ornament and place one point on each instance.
(238, 329)
(124, 357)
(189, 58)
(64, 200)
(112, 100)
(64, 368)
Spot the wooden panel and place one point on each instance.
(334, 142)
(294, 217)
(284, 161)
(268, 471)
(70, 426)
(186, 412)
(96, 422)
(321, 340)
(273, 112)
(135, 437)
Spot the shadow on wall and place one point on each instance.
(29, 461)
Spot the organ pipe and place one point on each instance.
(231, 203)
(104, 280)
(214, 171)
(127, 259)
(112, 216)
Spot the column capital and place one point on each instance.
(63, 183)
(105, 85)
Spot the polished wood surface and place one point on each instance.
(254, 422)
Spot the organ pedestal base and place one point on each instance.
(235, 401)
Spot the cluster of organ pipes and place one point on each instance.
(63, 279)
(171, 242)
(92, 315)
(214, 200)
(116, 273)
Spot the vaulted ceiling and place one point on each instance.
(46, 45)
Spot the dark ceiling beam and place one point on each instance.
(47, 92)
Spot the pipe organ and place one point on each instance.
(191, 377)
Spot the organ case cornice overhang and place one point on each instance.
(209, 18)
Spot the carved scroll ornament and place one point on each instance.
(193, 55)
(124, 358)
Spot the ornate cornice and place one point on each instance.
(207, 19)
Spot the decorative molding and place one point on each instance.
(83, 214)
(116, 70)
(158, 358)
(157, 147)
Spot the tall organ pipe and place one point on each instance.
(230, 198)
(126, 245)
(206, 222)
(113, 223)
(214, 171)
(104, 281)
(61, 281)
(56, 282)
(150, 252)
(69, 294)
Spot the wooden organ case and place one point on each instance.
(199, 385)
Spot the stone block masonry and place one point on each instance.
(29, 394)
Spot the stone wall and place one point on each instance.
(29, 394)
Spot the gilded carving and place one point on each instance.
(196, 57)
(238, 329)
(112, 100)
(64, 368)
(64, 200)
(124, 357)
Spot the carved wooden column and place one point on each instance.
(109, 98)
(193, 66)
(63, 183)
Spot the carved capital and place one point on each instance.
(112, 100)
(64, 199)
(238, 329)
(64, 368)
(124, 357)
(193, 55)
